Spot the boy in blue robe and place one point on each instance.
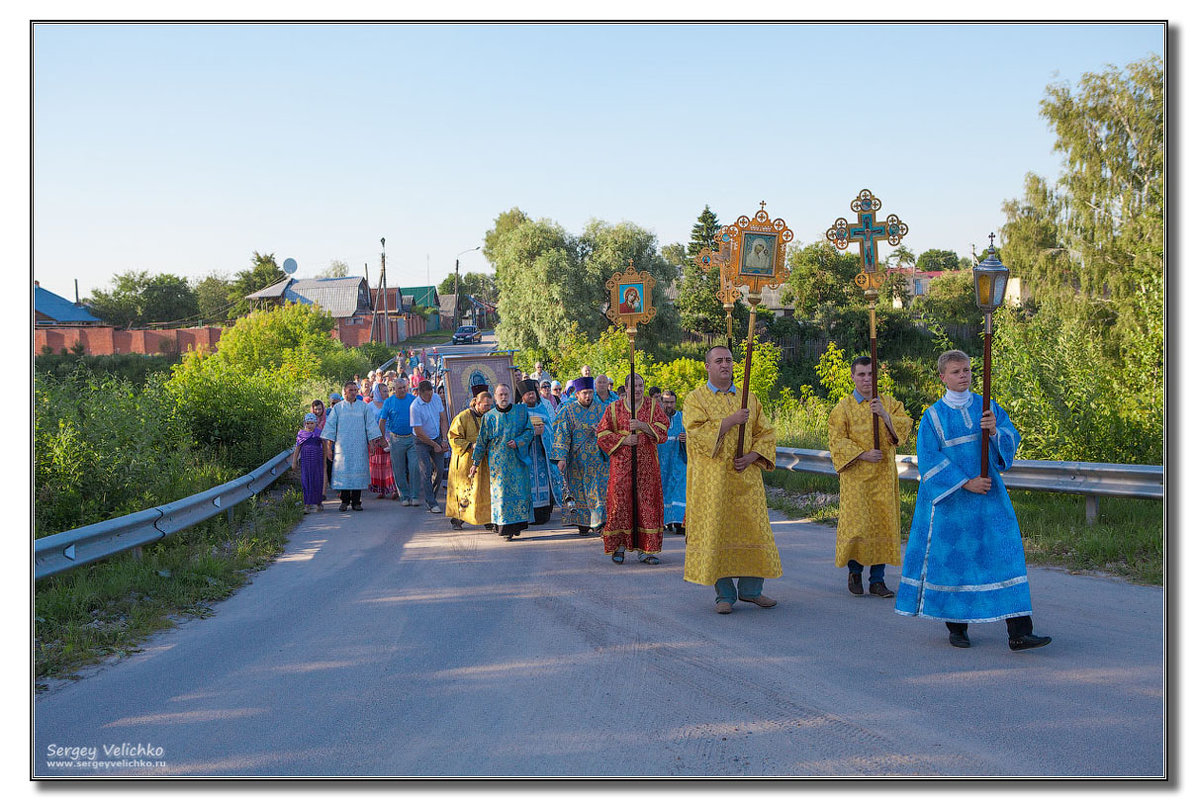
(964, 560)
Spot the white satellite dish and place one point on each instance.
(289, 266)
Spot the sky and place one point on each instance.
(185, 148)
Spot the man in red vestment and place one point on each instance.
(618, 433)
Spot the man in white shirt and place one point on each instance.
(430, 424)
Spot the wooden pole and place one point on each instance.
(985, 370)
(632, 399)
(873, 356)
(747, 370)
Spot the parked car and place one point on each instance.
(467, 334)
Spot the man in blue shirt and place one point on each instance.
(395, 419)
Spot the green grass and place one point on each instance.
(1127, 540)
(110, 607)
(439, 337)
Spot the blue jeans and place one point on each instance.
(430, 472)
(876, 572)
(405, 465)
(750, 587)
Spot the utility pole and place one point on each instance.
(381, 300)
(457, 297)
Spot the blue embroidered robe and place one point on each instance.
(575, 441)
(351, 426)
(672, 456)
(544, 476)
(964, 559)
(510, 490)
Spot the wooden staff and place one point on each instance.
(985, 369)
(752, 301)
(632, 398)
(873, 356)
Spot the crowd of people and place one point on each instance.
(628, 466)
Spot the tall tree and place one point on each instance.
(263, 273)
(507, 221)
(212, 298)
(936, 260)
(820, 275)
(335, 269)
(697, 302)
(138, 298)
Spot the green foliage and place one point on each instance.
(480, 285)
(139, 298)
(951, 299)
(682, 375)
(548, 278)
(104, 448)
(935, 260)
(376, 353)
(699, 307)
(264, 272)
(835, 374)
(1070, 400)
(133, 367)
(212, 299)
(821, 276)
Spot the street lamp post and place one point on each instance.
(989, 284)
(456, 278)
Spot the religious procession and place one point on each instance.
(630, 464)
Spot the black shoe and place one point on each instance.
(357, 507)
(960, 639)
(855, 585)
(879, 589)
(344, 507)
(1028, 641)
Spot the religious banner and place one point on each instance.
(631, 297)
(757, 251)
(757, 259)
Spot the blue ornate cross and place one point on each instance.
(867, 231)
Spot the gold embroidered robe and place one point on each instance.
(467, 499)
(727, 520)
(868, 529)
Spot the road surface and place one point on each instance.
(383, 643)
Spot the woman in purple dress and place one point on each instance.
(309, 454)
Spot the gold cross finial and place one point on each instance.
(631, 264)
(991, 241)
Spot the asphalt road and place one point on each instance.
(383, 643)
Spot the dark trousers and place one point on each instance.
(1015, 626)
(351, 496)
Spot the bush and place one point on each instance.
(104, 448)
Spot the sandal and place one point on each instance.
(649, 559)
(617, 557)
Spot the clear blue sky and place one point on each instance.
(184, 148)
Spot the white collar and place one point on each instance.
(957, 400)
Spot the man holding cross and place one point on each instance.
(727, 521)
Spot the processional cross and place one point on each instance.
(867, 231)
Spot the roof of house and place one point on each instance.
(340, 297)
(422, 295)
(59, 309)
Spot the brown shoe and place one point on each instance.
(880, 590)
(763, 601)
(855, 585)
(723, 607)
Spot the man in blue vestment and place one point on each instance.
(543, 474)
(582, 464)
(672, 456)
(964, 560)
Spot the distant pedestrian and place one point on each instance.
(309, 457)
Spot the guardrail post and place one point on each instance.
(1090, 509)
(137, 553)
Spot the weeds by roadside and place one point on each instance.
(1127, 540)
(110, 607)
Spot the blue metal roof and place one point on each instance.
(59, 308)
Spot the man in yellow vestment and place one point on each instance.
(468, 498)
(867, 533)
(727, 522)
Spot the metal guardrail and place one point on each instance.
(59, 552)
(1091, 479)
